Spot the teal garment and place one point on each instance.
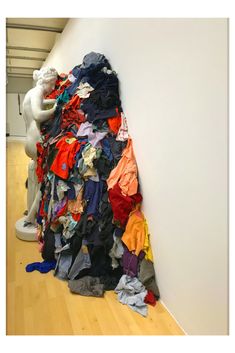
(63, 98)
(101, 126)
(69, 227)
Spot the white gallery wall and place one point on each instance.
(15, 124)
(173, 87)
(16, 86)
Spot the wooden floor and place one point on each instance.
(40, 304)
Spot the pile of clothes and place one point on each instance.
(91, 229)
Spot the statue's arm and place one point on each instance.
(39, 114)
(49, 101)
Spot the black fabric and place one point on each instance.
(100, 261)
(103, 166)
(111, 280)
(75, 246)
(116, 147)
(49, 245)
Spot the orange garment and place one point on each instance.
(74, 103)
(115, 123)
(134, 235)
(125, 173)
(76, 206)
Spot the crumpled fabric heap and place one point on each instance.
(90, 223)
(132, 292)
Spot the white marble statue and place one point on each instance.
(34, 115)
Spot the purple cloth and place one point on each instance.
(58, 206)
(130, 262)
(86, 129)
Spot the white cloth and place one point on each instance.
(122, 134)
(84, 89)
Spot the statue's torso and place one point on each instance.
(32, 128)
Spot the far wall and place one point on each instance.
(19, 84)
(15, 125)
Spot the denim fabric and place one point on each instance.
(63, 263)
(81, 262)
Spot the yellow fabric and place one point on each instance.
(89, 155)
(70, 140)
(147, 246)
(90, 172)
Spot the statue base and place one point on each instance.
(28, 233)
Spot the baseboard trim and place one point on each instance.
(186, 334)
(15, 138)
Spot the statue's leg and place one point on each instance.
(31, 217)
(32, 184)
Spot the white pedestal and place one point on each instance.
(25, 233)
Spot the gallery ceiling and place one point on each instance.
(28, 43)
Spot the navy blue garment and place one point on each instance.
(61, 101)
(55, 128)
(84, 75)
(116, 147)
(106, 93)
(93, 113)
(107, 149)
(92, 196)
(92, 64)
(71, 191)
(118, 232)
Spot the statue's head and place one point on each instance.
(46, 77)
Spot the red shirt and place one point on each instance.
(122, 205)
(68, 146)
